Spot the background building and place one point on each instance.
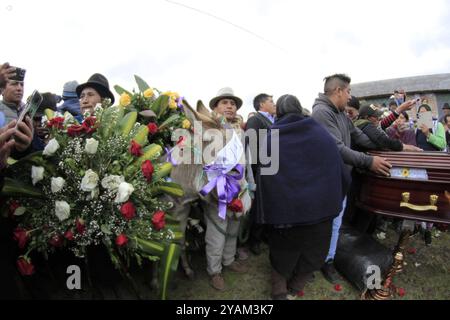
(432, 89)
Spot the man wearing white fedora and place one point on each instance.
(222, 229)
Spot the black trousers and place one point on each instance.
(299, 249)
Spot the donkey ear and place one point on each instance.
(202, 109)
(193, 115)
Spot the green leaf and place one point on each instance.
(121, 90)
(167, 266)
(142, 85)
(105, 229)
(14, 188)
(172, 119)
(111, 116)
(159, 102)
(171, 188)
(126, 123)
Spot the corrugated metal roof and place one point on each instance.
(429, 83)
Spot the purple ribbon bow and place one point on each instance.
(227, 185)
(169, 156)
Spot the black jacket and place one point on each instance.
(378, 136)
(256, 123)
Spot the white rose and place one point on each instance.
(57, 184)
(62, 210)
(89, 181)
(19, 211)
(37, 174)
(125, 190)
(91, 146)
(51, 147)
(112, 182)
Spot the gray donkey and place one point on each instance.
(191, 176)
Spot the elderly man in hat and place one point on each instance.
(71, 103)
(10, 106)
(94, 91)
(222, 230)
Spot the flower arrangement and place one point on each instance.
(161, 111)
(96, 182)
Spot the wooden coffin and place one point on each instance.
(418, 188)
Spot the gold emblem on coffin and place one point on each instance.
(405, 203)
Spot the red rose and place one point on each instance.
(121, 240)
(21, 236)
(25, 266)
(56, 241)
(147, 170)
(135, 149)
(300, 293)
(89, 125)
(236, 205)
(75, 130)
(158, 220)
(412, 250)
(81, 227)
(128, 210)
(57, 123)
(401, 292)
(338, 287)
(68, 235)
(152, 128)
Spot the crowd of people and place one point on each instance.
(317, 150)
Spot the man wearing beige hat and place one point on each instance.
(222, 227)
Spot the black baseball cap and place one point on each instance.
(369, 110)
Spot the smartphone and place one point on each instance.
(30, 107)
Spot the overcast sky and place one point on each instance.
(195, 47)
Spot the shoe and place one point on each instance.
(242, 254)
(329, 272)
(237, 267)
(298, 282)
(427, 237)
(279, 287)
(255, 248)
(217, 282)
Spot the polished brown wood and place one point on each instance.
(383, 195)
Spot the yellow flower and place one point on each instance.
(186, 124)
(172, 103)
(405, 172)
(125, 99)
(149, 93)
(171, 94)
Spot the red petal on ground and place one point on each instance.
(338, 287)
(412, 250)
(401, 292)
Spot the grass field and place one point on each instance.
(426, 276)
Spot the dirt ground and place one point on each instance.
(426, 276)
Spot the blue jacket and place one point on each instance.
(311, 181)
(72, 105)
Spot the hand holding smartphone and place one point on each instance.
(30, 107)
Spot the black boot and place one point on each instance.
(279, 286)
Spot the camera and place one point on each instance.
(20, 74)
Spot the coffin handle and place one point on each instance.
(405, 203)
